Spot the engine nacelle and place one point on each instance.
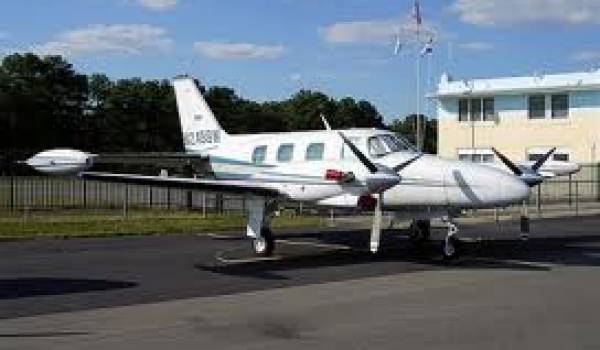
(61, 161)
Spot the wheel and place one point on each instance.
(264, 245)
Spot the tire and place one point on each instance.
(264, 245)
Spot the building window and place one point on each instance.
(487, 158)
(560, 106)
(534, 157)
(558, 156)
(464, 157)
(463, 110)
(285, 152)
(315, 151)
(259, 155)
(475, 111)
(537, 106)
(476, 155)
(488, 109)
(561, 157)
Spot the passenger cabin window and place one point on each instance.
(259, 154)
(285, 153)
(560, 106)
(315, 151)
(537, 106)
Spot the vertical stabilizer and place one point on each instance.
(200, 128)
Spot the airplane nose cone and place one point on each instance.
(481, 186)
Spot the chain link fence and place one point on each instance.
(52, 193)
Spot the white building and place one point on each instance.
(522, 117)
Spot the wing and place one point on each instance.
(228, 186)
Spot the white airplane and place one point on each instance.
(365, 168)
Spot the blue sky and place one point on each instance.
(268, 49)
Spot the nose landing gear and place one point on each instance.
(450, 246)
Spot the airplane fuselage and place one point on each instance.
(289, 163)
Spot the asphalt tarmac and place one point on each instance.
(321, 290)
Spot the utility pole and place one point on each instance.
(418, 119)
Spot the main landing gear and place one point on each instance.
(258, 227)
(264, 245)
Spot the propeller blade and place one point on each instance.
(376, 228)
(363, 159)
(515, 169)
(325, 122)
(401, 166)
(542, 160)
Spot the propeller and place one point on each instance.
(379, 179)
(530, 175)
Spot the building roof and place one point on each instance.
(517, 85)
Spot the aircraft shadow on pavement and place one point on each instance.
(537, 254)
(15, 288)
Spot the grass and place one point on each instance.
(72, 224)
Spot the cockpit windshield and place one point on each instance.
(383, 144)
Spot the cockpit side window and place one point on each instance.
(346, 153)
(376, 147)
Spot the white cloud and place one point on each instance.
(503, 12)
(374, 31)
(586, 56)
(157, 5)
(476, 46)
(107, 39)
(229, 50)
(295, 77)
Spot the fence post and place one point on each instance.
(188, 200)
(570, 190)
(126, 200)
(168, 198)
(539, 200)
(150, 197)
(598, 182)
(12, 192)
(331, 218)
(576, 198)
(204, 205)
(84, 194)
(525, 220)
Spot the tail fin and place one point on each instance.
(200, 128)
